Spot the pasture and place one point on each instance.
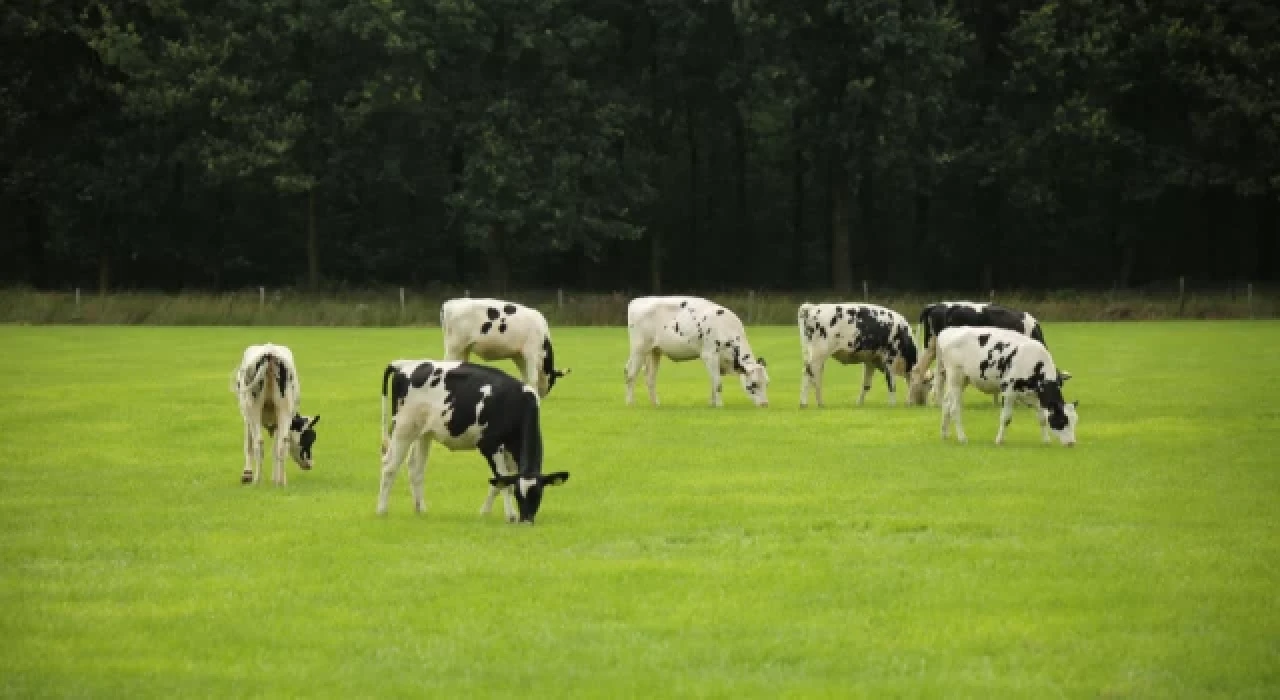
(694, 552)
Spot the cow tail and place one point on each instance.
(531, 445)
(384, 428)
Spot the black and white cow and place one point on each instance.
(690, 328)
(267, 387)
(942, 315)
(852, 333)
(495, 329)
(1004, 363)
(465, 406)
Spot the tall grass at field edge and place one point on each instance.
(382, 308)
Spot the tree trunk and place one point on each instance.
(694, 199)
(1268, 237)
(313, 243)
(799, 167)
(869, 244)
(499, 270)
(841, 274)
(742, 219)
(921, 238)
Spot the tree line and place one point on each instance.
(643, 144)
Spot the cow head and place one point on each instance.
(1060, 416)
(919, 384)
(754, 376)
(302, 436)
(549, 374)
(528, 490)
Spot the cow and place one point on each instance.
(495, 329)
(465, 406)
(942, 315)
(690, 328)
(1009, 364)
(267, 387)
(852, 333)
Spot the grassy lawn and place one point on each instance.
(694, 552)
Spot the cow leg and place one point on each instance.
(250, 469)
(868, 372)
(399, 449)
(281, 448)
(813, 368)
(509, 494)
(1006, 417)
(712, 362)
(891, 382)
(651, 374)
(1044, 424)
(952, 404)
(418, 472)
(487, 506)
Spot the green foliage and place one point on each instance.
(173, 144)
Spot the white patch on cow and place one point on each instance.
(525, 485)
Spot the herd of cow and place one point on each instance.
(466, 406)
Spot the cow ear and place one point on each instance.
(313, 422)
(762, 362)
(1075, 404)
(504, 480)
(554, 478)
(1063, 377)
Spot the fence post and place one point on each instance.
(866, 294)
(1182, 295)
(78, 302)
(991, 296)
(402, 301)
(560, 300)
(466, 294)
(262, 298)
(1249, 292)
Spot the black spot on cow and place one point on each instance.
(873, 333)
(435, 381)
(493, 314)
(677, 328)
(484, 327)
(282, 376)
(684, 304)
(983, 340)
(510, 309)
(1033, 381)
(549, 364)
(720, 312)
(502, 328)
(421, 374)
(1005, 362)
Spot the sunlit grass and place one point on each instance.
(741, 551)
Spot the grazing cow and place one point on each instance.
(465, 406)
(266, 383)
(689, 328)
(938, 317)
(1006, 363)
(851, 333)
(501, 330)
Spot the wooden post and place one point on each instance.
(991, 296)
(1249, 293)
(262, 298)
(402, 301)
(866, 294)
(560, 300)
(466, 294)
(1182, 295)
(78, 302)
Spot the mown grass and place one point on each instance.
(382, 308)
(694, 552)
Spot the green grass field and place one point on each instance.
(694, 552)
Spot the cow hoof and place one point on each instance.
(512, 518)
(246, 478)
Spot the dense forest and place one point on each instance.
(653, 145)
